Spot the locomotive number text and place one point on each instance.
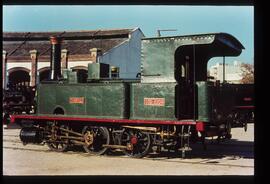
(76, 100)
(154, 101)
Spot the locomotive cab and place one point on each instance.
(196, 93)
(183, 61)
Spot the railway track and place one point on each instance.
(209, 142)
(162, 157)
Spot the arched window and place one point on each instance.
(18, 76)
(44, 73)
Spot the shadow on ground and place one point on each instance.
(230, 148)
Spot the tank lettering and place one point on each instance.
(154, 101)
(76, 100)
(247, 99)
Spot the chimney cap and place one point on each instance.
(55, 40)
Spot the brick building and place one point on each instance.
(26, 55)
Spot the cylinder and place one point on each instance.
(55, 63)
(31, 135)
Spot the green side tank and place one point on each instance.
(85, 99)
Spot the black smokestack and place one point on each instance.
(55, 64)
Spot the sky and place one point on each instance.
(235, 20)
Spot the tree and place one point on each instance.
(247, 73)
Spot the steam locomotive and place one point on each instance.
(169, 106)
(17, 99)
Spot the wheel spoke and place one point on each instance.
(53, 144)
(144, 139)
(95, 137)
(141, 142)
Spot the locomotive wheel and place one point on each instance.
(55, 144)
(139, 142)
(94, 138)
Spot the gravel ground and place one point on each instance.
(231, 157)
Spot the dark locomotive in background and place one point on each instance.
(172, 103)
(17, 99)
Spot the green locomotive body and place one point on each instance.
(170, 103)
(120, 100)
(88, 100)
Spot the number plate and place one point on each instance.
(76, 100)
(154, 101)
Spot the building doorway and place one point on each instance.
(18, 77)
